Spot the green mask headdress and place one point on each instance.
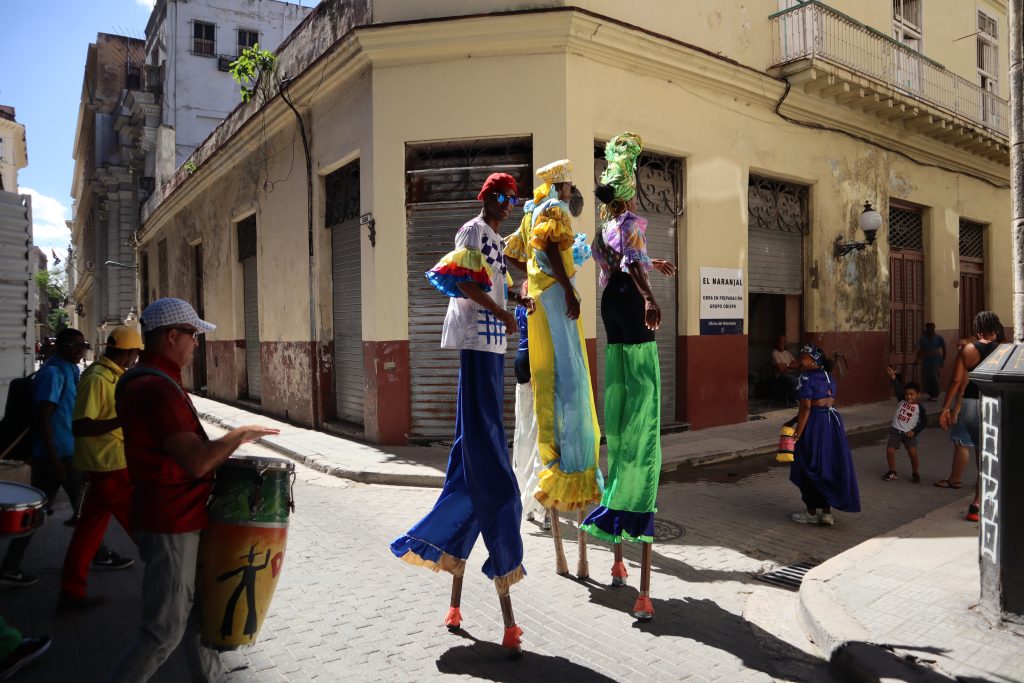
(621, 152)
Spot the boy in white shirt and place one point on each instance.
(910, 419)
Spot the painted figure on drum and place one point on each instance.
(247, 583)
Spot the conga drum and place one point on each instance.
(21, 509)
(787, 443)
(241, 551)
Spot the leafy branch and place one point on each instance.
(255, 71)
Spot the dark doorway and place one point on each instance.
(199, 357)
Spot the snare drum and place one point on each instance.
(241, 551)
(21, 509)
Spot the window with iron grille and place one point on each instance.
(777, 205)
(247, 38)
(204, 37)
(905, 229)
(972, 239)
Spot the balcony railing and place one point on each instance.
(813, 30)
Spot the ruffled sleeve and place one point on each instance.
(465, 264)
(552, 226)
(516, 243)
(634, 242)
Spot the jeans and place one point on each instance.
(965, 431)
(170, 613)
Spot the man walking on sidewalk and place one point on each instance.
(171, 462)
(54, 389)
(99, 452)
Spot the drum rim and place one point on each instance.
(260, 462)
(23, 506)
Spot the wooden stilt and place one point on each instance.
(454, 618)
(619, 572)
(561, 566)
(582, 567)
(643, 609)
(512, 642)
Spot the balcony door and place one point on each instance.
(907, 23)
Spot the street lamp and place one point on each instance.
(118, 264)
(869, 221)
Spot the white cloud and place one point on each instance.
(148, 4)
(48, 228)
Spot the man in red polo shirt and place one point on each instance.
(171, 462)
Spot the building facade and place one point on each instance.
(13, 150)
(767, 128)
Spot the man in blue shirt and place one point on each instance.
(54, 390)
(931, 354)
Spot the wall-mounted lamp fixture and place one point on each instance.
(118, 264)
(869, 221)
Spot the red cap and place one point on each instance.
(498, 182)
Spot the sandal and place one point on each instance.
(972, 513)
(947, 484)
(890, 476)
(916, 478)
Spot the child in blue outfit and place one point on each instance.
(910, 420)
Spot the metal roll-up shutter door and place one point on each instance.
(252, 327)
(349, 380)
(434, 372)
(775, 262)
(660, 204)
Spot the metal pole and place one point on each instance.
(1016, 12)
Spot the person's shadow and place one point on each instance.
(703, 621)
(489, 662)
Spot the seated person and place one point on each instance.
(787, 369)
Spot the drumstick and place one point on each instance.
(14, 443)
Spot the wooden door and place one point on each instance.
(972, 293)
(906, 312)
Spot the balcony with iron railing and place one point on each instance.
(866, 69)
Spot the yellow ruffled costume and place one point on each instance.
(568, 432)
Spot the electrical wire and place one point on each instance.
(868, 141)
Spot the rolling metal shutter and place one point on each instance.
(252, 327)
(435, 371)
(660, 202)
(17, 331)
(777, 220)
(442, 181)
(349, 380)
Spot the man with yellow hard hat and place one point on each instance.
(99, 452)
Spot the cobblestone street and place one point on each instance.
(346, 609)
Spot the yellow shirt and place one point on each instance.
(104, 453)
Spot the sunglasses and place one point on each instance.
(509, 199)
(189, 331)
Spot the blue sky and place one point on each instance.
(43, 52)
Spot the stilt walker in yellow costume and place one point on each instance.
(568, 432)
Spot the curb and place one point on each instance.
(326, 466)
(844, 641)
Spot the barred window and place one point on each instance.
(905, 229)
(247, 38)
(972, 239)
(203, 38)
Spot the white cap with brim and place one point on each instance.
(167, 312)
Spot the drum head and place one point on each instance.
(13, 494)
(259, 462)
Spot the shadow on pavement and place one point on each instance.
(703, 621)
(871, 661)
(487, 661)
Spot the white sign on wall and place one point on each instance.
(721, 300)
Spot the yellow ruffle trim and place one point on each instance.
(503, 583)
(556, 489)
(447, 563)
(516, 248)
(552, 227)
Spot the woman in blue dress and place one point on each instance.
(822, 462)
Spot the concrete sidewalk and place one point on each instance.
(903, 606)
(425, 465)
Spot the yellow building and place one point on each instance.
(767, 128)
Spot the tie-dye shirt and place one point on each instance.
(622, 241)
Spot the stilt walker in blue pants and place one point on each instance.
(480, 494)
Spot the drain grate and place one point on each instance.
(665, 530)
(790, 576)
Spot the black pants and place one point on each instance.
(522, 367)
(622, 309)
(45, 479)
